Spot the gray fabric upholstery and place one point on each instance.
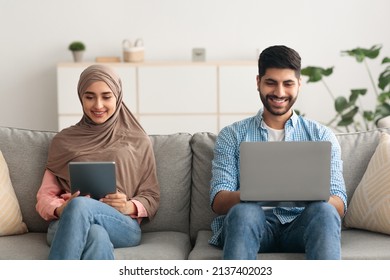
(29, 246)
(162, 245)
(356, 245)
(364, 245)
(174, 162)
(181, 227)
(356, 151)
(204, 251)
(25, 152)
(201, 214)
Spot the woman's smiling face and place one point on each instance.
(99, 102)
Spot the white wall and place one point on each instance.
(35, 35)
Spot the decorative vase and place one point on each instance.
(78, 56)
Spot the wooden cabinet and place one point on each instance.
(170, 97)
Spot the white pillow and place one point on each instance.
(369, 207)
(10, 215)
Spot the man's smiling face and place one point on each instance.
(278, 90)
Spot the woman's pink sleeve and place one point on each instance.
(141, 211)
(49, 197)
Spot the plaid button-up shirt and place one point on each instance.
(225, 166)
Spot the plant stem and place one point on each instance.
(366, 123)
(371, 78)
(362, 115)
(328, 89)
(333, 120)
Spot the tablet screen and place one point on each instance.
(96, 179)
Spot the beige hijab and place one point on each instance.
(121, 139)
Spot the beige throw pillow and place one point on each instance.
(369, 208)
(10, 215)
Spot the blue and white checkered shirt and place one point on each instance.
(225, 165)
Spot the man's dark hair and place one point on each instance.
(279, 57)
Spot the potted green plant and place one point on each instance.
(77, 48)
(347, 109)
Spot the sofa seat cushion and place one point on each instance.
(204, 251)
(359, 244)
(154, 246)
(165, 245)
(28, 246)
(355, 245)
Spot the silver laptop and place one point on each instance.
(285, 173)
(96, 179)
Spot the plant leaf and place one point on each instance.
(383, 97)
(382, 110)
(357, 53)
(373, 52)
(386, 60)
(360, 53)
(369, 115)
(345, 122)
(347, 118)
(327, 72)
(384, 78)
(350, 114)
(355, 94)
(298, 112)
(316, 74)
(340, 104)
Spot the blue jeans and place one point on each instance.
(90, 230)
(248, 230)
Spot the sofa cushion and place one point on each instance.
(174, 161)
(202, 145)
(370, 204)
(29, 246)
(364, 245)
(357, 149)
(167, 245)
(204, 251)
(11, 221)
(154, 246)
(355, 245)
(26, 153)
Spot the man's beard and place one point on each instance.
(272, 110)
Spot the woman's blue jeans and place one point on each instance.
(249, 230)
(90, 230)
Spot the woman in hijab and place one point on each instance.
(82, 227)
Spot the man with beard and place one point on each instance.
(243, 230)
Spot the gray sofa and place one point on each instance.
(181, 228)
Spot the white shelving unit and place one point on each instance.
(170, 97)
